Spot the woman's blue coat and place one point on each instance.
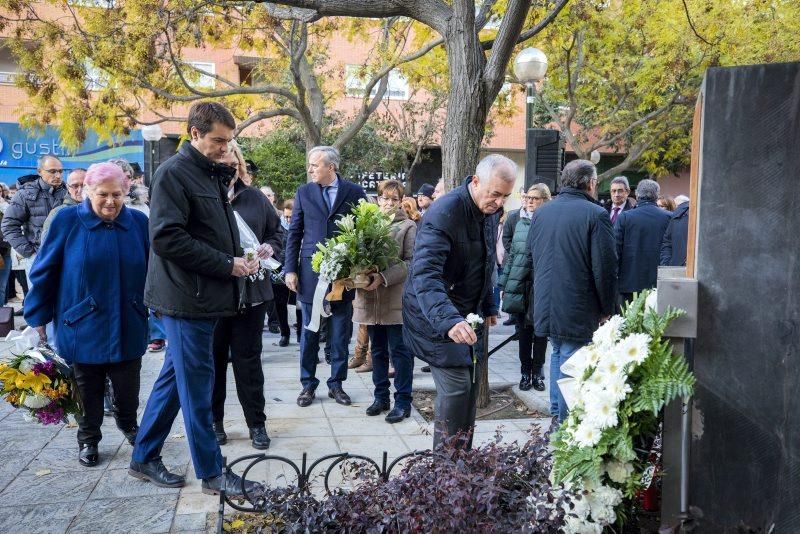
(88, 278)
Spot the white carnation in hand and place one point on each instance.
(474, 320)
(609, 332)
(634, 348)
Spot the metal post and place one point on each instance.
(530, 97)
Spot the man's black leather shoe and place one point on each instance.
(426, 369)
(219, 433)
(260, 438)
(340, 396)
(306, 397)
(378, 407)
(130, 434)
(538, 382)
(327, 358)
(87, 455)
(155, 472)
(284, 341)
(232, 484)
(525, 383)
(398, 414)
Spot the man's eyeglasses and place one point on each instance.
(54, 171)
(390, 199)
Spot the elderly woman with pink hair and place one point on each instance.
(88, 278)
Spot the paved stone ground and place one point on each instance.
(44, 489)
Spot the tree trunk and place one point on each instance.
(467, 111)
(482, 371)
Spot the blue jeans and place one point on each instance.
(387, 340)
(156, 327)
(340, 328)
(563, 349)
(185, 383)
(5, 271)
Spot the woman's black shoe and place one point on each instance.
(130, 434)
(538, 382)
(378, 407)
(260, 438)
(284, 341)
(525, 383)
(87, 456)
(219, 432)
(398, 414)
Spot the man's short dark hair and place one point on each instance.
(578, 174)
(203, 115)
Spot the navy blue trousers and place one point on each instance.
(387, 342)
(185, 383)
(340, 329)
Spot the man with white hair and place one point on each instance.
(449, 279)
(638, 235)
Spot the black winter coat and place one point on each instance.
(638, 234)
(516, 281)
(456, 242)
(259, 214)
(193, 239)
(673, 247)
(26, 213)
(574, 266)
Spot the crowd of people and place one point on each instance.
(114, 269)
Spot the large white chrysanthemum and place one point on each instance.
(609, 332)
(587, 434)
(634, 348)
(601, 410)
(610, 365)
(618, 387)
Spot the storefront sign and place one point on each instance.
(370, 180)
(19, 152)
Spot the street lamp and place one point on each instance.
(152, 134)
(530, 66)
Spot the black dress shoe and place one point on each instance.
(274, 328)
(327, 358)
(130, 434)
(260, 438)
(398, 414)
(20, 312)
(426, 369)
(232, 484)
(87, 455)
(510, 321)
(340, 396)
(378, 407)
(538, 382)
(284, 341)
(525, 383)
(157, 473)
(219, 433)
(306, 397)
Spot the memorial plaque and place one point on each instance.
(745, 449)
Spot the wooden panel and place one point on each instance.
(694, 176)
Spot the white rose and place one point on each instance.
(35, 402)
(651, 301)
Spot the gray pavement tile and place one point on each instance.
(37, 519)
(184, 523)
(289, 447)
(373, 446)
(300, 427)
(290, 410)
(66, 459)
(152, 514)
(117, 483)
(364, 426)
(56, 487)
(11, 464)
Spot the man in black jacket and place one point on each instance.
(193, 278)
(451, 277)
(574, 269)
(673, 247)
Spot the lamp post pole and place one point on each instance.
(530, 98)
(151, 134)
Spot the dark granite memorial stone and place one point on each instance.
(745, 451)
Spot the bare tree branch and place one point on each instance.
(533, 32)
(267, 114)
(495, 70)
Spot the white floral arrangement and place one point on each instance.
(330, 268)
(618, 385)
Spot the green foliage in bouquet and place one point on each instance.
(363, 244)
(622, 381)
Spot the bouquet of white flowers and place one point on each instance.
(619, 383)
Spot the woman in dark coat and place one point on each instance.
(88, 278)
(239, 337)
(517, 281)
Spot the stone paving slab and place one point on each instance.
(70, 498)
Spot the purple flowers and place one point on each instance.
(47, 368)
(52, 414)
